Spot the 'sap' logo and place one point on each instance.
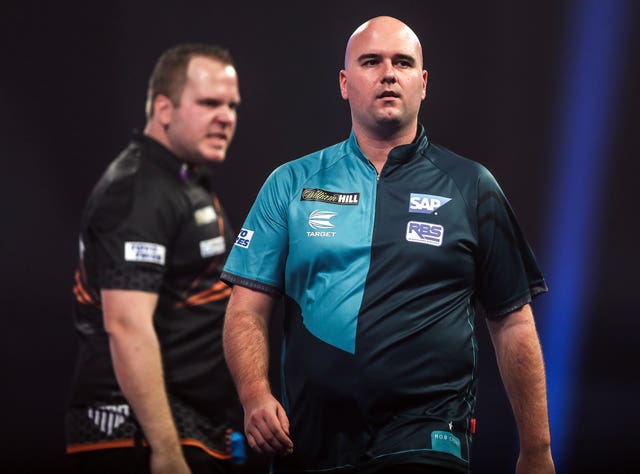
(426, 203)
(321, 219)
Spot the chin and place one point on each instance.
(214, 159)
(214, 156)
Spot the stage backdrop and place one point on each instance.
(503, 90)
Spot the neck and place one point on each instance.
(155, 130)
(376, 146)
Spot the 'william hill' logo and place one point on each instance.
(345, 199)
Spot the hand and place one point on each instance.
(267, 427)
(538, 462)
(168, 462)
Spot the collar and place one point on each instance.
(398, 155)
(164, 158)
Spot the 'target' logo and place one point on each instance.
(321, 219)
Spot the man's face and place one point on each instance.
(201, 126)
(383, 77)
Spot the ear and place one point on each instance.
(163, 109)
(425, 74)
(343, 84)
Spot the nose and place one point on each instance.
(226, 116)
(388, 72)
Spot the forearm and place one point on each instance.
(521, 366)
(246, 350)
(135, 352)
(138, 367)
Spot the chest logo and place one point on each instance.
(343, 199)
(426, 203)
(206, 215)
(212, 247)
(425, 233)
(321, 221)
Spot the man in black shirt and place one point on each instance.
(151, 390)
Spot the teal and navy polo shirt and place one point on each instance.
(381, 276)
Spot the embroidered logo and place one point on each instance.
(244, 238)
(426, 203)
(344, 199)
(108, 417)
(211, 247)
(319, 219)
(425, 233)
(144, 252)
(206, 215)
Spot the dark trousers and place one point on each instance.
(136, 461)
(407, 469)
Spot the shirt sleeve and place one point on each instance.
(258, 257)
(508, 275)
(129, 233)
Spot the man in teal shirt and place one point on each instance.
(383, 246)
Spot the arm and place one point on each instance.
(246, 350)
(519, 358)
(135, 351)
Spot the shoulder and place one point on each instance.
(301, 169)
(453, 163)
(465, 172)
(131, 181)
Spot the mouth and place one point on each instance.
(217, 136)
(388, 95)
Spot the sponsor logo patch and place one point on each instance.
(319, 219)
(446, 442)
(108, 417)
(426, 203)
(344, 199)
(144, 252)
(425, 233)
(244, 238)
(206, 215)
(211, 247)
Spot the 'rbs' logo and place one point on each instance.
(426, 203)
(425, 233)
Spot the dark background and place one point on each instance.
(73, 87)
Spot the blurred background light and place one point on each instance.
(588, 94)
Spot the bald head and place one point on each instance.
(379, 30)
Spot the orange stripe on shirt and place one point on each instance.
(129, 443)
(82, 295)
(217, 292)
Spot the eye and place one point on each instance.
(211, 103)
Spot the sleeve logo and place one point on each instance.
(244, 238)
(144, 252)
